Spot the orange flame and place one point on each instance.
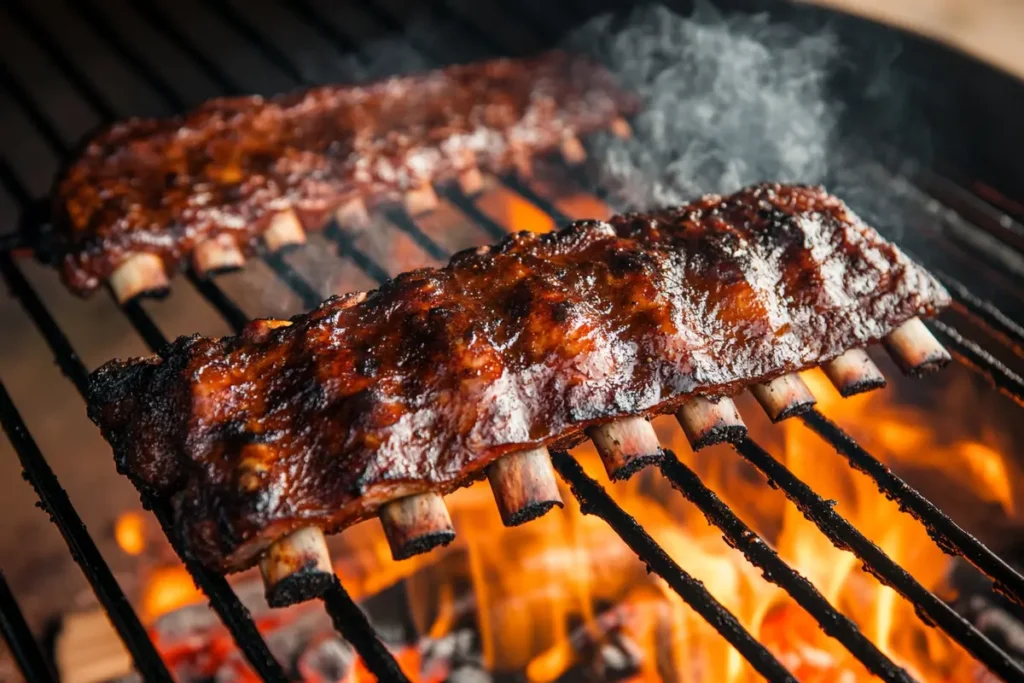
(537, 591)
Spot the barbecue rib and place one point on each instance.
(210, 184)
(419, 385)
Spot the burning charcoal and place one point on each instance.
(469, 674)
(328, 660)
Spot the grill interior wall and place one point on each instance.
(41, 571)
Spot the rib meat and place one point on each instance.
(163, 186)
(420, 384)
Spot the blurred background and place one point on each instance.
(989, 29)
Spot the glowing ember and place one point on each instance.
(543, 598)
(130, 532)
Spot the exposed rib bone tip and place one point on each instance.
(621, 128)
(853, 373)
(353, 214)
(217, 255)
(471, 182)
(783, 397)
(626, 446)
(285, 231)
(706, 422)
(420, 200)
(573, 151)
(141, 274)
(416, 524)
(297, 567)
(524, 485)
(915, 349)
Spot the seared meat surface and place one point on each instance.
(418, 385)
(164, 186)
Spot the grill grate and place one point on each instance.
(348, 618)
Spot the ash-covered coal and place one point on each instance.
(733, 100)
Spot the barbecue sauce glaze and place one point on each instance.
(162, 186)
(420, 384)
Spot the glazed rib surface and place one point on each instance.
(418, 385)
(163, 186)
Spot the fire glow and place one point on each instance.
(544, 597)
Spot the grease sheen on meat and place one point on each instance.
(420, 384)
(164, 185)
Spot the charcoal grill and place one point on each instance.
(969, 177)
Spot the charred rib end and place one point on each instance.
(627, 471)
(720, 434)
(216, 256)
(706, 422)
(626, 446)
(284, 232)
(141, 275)
(853, 373)
(416, 524)
(304, 585)
(915, 349)
(297, 567)
(784, 397)
(421, 544)
(524, 485)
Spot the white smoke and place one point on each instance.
(726, 101)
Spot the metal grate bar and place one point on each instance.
(594, 500)
(19, 638)
(467, 206)
(57, 504)
(244, 27)
(470, 208)
(978, 359)
(513, 183)
(946, 533)
(151, 12)
(358, 632)
(846, 537)
(350, 620)
(222, 597)
(207, 288)
(761, 555)
(1007, 330)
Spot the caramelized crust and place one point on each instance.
(418, 385)
(164, 186)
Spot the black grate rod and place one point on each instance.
(225, 603)
(94, 18)
(56, 503)
(404, 222)
(981, 361)
(1000, 325)
(351, 621)
(760, 554)
(845, 536)
(949, 536)
(222, 598)
(244, 27)
(151, 12)
(207, 288)
(43, 38)
(516, 184)
(215, 587)
(20, 641)
(467, 206)
(35, 115)
(67, 359)
(594, 500)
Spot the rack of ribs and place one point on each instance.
(380, 402)
(213, 185)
